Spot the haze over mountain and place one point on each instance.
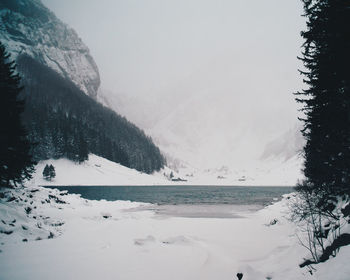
(211, 82)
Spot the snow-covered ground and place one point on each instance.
(95, 171)
(100, 171)
(83, 239)
(269, 173)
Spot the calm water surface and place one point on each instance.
(173, 195)
(187, 201)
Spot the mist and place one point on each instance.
(210, 81)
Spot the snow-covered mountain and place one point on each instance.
(61, 81)
(202, 124)
(214, 117)
(27, 27)
(207, 142)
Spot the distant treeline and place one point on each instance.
(62, 121)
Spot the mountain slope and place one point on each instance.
(95, 171)
(28, 27)
(60, 82)
(201, 124)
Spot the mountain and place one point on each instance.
(27, 27)
(60, 81)
(204, 123)
(209, 130)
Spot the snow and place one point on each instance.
(100, 171)
(123, 240)
(206, 129)
(95, 171)
(270, 173)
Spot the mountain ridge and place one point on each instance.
(28, 27)
(61, 80)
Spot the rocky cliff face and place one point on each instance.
(27, 27)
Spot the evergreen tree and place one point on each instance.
(52, 172)
(326, 57)
(65, 122)
(16, 164)
(46, 172)
(49, 172)
(83, 152)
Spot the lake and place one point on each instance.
(187, 201)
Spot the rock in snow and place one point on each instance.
(27, 27)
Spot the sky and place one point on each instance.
(146, 44)
(156, 56)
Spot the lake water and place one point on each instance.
(188, 201)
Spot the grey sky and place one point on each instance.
(143, 45)
(234, 58)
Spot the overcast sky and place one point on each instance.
(233, 55)
(142, 45)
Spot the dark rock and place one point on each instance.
(346, 210)
(56, 199)
(340, 241)
(28, 210)
(12, 198)
(58, 224)
(8, 232)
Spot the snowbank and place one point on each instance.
(118, 240)
(100, 171)
(95, 171)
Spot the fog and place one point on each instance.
(211, 81)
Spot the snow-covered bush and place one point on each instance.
(324, 229)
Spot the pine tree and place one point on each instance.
(46, 172)
(16, 164)
(326, 57)
(49, 172)
(52, 172)
(83, 152)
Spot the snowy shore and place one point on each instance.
(100, 171)
(47, 234)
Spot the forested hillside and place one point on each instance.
(64, 122)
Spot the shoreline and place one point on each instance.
(55, 235)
